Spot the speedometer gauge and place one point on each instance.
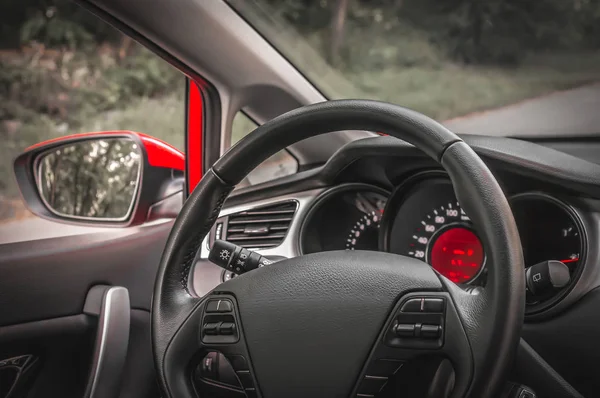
(446, 240)
(430, 225)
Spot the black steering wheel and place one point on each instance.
(313, 326)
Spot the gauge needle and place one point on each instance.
(569, 260)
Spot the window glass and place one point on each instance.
(64, 71)
(279, 165)
(468, 63)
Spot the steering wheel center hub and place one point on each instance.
(305, 316)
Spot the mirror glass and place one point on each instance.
(91, 179)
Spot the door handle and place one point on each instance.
(111, 305)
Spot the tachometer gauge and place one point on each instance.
(345, 217)
(366, 229)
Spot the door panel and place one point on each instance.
(62, 347)
(43, 289)
(50, 278)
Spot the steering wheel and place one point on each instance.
(314, 325)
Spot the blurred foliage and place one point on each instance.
(445, 58)
(63, 71)
(55, 32)
(54, 23)
(471, 31)
(93, 178)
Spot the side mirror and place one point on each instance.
(110, 178)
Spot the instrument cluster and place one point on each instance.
(423, 219)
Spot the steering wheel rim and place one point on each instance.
(491, 318)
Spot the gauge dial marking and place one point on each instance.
(371, 205)
(449, 244)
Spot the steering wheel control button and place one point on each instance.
(404, 330)
(224, 306)
(222, 332)
(423, 304)
(217, 369)
(211, 329)
(219, 306)
(371, 385)
(212, 306)
(435, 305)
(208, 367)
(223, 368)
(227, 328)
(430, 331)
(418, 323)
(413, 305)
(219, 322)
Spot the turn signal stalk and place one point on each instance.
(235, 258)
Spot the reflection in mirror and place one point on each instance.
(91, 179)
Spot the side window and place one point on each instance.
(64, 71)
(279, 165)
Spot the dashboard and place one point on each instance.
(383, 194)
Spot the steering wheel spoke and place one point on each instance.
(210, 345)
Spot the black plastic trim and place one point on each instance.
(532, 370)
(516, 156)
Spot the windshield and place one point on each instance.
(497, 67)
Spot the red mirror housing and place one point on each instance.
(159, 192)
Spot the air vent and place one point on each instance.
(262, 227)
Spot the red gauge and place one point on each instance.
(457, 253)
